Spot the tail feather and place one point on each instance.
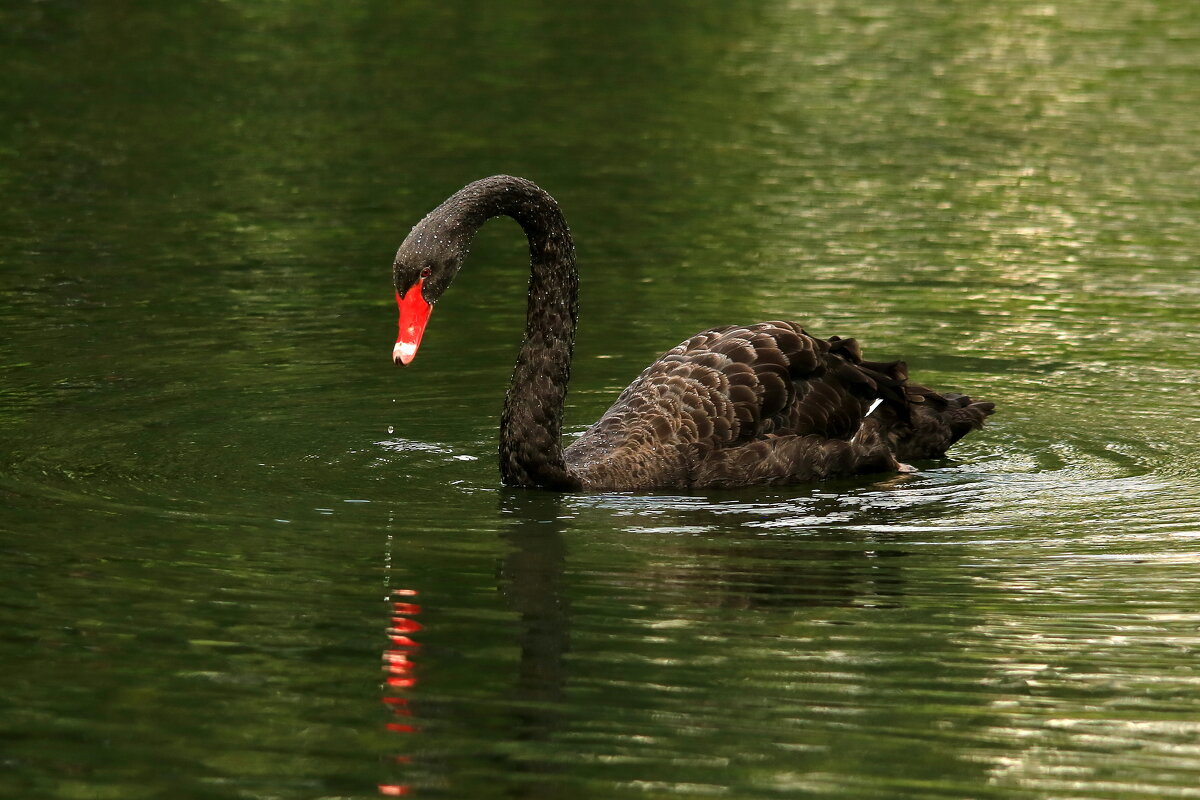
(935, 422)
(929, 422)
(912, 421)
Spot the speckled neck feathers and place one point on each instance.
(531, 424)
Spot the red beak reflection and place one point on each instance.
(398, 658)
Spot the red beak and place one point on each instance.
(414, 313)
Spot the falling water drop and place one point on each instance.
(391, 430)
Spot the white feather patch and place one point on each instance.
(874, 406)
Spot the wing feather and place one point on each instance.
(768, 387)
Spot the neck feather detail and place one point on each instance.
(531, 423)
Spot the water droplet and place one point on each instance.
(391, 430)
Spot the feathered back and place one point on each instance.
(726, 388)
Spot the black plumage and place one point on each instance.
(733, 406)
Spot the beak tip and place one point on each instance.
(403, 354)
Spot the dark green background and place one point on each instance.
(211, 475)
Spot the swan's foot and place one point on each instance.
(905, 469)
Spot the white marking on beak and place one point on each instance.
(403, 352)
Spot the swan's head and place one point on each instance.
(424, 267)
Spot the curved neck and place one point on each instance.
(531, 423)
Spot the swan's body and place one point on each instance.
(733, 406)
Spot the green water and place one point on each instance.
(215, 488)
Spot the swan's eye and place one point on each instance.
(426, 272)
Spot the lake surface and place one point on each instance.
(243, 556)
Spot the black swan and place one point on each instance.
(734, 406)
